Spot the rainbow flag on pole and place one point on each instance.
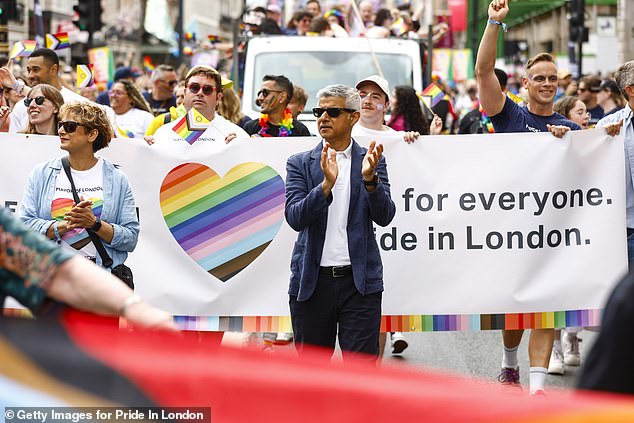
(85, 76)
(22, 49)
(148, 65)
(57, 41)
(435, 93)
(191, 126)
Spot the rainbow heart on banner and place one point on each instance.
(223, 224)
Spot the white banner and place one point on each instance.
(504, 223)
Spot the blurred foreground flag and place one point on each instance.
(85, 76)
(434, 92)
(73, 358)
(148, 65)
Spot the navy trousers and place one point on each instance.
(336, 306)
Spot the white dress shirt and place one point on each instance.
(335, 252)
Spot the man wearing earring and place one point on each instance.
(334, 194)
(203, 92)
(276, 119)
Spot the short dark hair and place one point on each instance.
(49, 55)
(502, 77)
(381, 16)
(283, 82)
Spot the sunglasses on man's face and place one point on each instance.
(333, 112)
(194, 88)
(39, 100)
(171, 84)
(264, 92)
(69, 126)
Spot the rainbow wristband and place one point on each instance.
(502, 24)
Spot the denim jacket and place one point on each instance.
(119, 208)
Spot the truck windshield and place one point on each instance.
(314, 70)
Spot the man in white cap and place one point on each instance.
(375, 98)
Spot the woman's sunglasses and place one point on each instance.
(333, 112)
(194, 88)
(39, 100)
(69, 126)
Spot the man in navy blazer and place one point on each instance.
(333, 195)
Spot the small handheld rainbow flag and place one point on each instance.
(148, 65)
(435, 93)
(57, 41)
(85, 76)
(213, 39)
(190, 36)
(22, 49)
(191, 126)
(124, 133)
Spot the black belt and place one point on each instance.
(336, 271)
(630, 231)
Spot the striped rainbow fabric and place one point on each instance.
(223, 223)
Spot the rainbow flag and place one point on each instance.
(213, 39)
(22, 49)
(124, 133)
(191, 126)
(85, 76)
(148, 65)
(188, 51)
(189, 36)
(435, 93)
(57, 41)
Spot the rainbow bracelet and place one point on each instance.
(494, 22)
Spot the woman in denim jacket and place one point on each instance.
(106, 206)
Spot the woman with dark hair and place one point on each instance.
(609, 97)
(106, 205)
(42, 107)
(132, 113)
(407, 114)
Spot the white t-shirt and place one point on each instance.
(218, 129)
(358, 130)
(89, 186)
(135, 121)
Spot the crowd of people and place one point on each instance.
(101, 224)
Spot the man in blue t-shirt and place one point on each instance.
(537, 116)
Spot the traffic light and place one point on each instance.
(8, 10)
(88, 15)
(82, 15)
(576, 21)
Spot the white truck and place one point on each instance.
(314, 62)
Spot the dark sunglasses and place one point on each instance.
(69, 126)
(194, 88)
(39, 100)
(172, 84)
(333, 112)
(264, 92)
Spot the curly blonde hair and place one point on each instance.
(92, 117)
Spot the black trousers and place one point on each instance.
(337, 305)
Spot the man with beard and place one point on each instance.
(276, 119)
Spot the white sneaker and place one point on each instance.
(556, 364)
(399, 344)
(570, 344)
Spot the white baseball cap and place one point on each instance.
(380, 82)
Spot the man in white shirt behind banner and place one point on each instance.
(203, 91)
